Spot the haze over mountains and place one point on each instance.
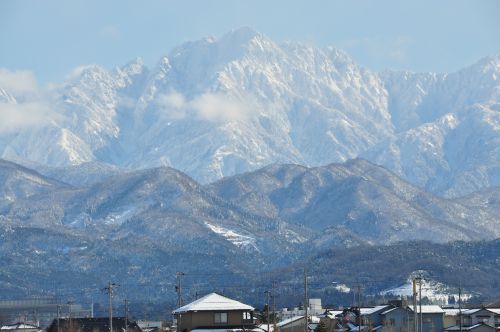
(222, 106)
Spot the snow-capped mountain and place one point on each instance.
(222, 106)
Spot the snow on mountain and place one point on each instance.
(239, 240)
(138, 226)
(449, 129)
(223, 106)
(19, 183)
(354, 202)
(434, 291)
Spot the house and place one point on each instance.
(92, 325)
(371, 316)
(402, 318)
(489, 316)
(214, 312)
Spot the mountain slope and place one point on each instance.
(356, 198)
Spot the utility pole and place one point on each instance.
(415, 319)
(306, 302)
(274, 306)
(126, 315)
(267, 308)
(178, 288)
(420, 300)
(109, 290)
(359, 308)
(58, 315)
(460, 304)
(69, 310)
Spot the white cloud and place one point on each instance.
(217, 107)
(209, 106)
(173, 106)
(14, 117)
(18, 82)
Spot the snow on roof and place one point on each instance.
(263, 327)
(369, 311)
(452, 311)
(213, 301)
(388, 311)
(428, 309)
(473, 311)
(465, 328)
(289, 320)
(18, 326)
(470, 311)
(332, 313)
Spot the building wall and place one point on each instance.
(398, 320)
(192, 320)
(450, 320)
(432, 322)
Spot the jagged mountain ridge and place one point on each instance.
(219, 107)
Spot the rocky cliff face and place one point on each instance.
(219, 107)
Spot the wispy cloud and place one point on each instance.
(214, 107)
(14, 117)
(18, 82)
(32, 107)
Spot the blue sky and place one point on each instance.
(50, 38)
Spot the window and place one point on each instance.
(220, 318)
(247, 317)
